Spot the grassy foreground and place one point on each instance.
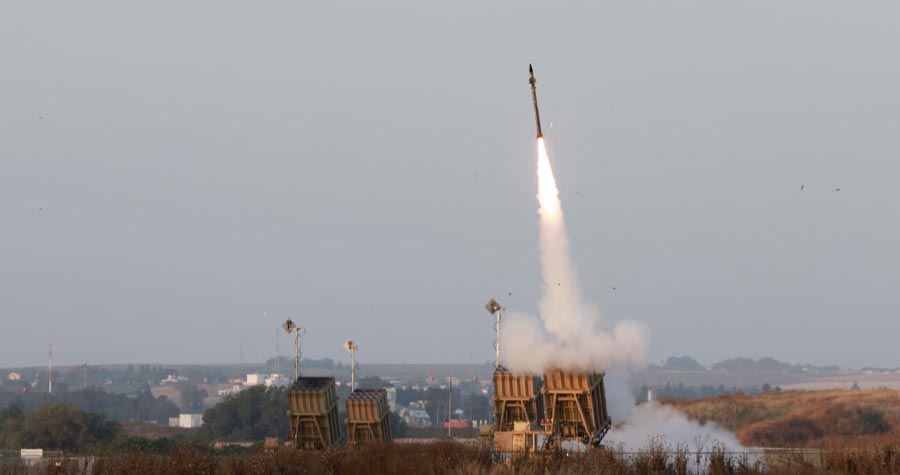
(454, 458)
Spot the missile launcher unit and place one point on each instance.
(313, 413)
(368, 417)
(576, 406)
(517, 398)
(533, 413)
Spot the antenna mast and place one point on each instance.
(50, 369)
(494, 309)
(352, 347)
(291, 327)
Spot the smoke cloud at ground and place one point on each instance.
(652, 421)
(646, 423)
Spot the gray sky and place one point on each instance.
(171, 170)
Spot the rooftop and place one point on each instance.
(312, 383)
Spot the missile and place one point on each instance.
(537, 115)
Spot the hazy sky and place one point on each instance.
(170, 170)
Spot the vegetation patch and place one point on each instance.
(801, 418)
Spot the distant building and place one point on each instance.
(190, 421)
(14, 376)
(418, 418)
(131, 389)
(222, 444)
(233, 389)
(392, 398)
(276, 380)
(254, 379)
(32, 453)
(456, 424)
(172, 379)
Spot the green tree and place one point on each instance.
(59, 426)
(11, 427)
(249, 415)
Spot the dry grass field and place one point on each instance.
(453, 458)
(819, 419)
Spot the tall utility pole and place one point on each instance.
(494, 309)
(50, 369)
(352, 347)
(450, 406)
(290, 327)
(298, 332)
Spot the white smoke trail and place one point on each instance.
(568, 335)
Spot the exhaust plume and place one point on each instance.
(569, 334)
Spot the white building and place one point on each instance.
(254, 379)
(418, 418)
(233, 389)
(392, 398)
(276, 380)
(14, 376)
(172, 379)
(190, 421)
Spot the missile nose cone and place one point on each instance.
(537, 115)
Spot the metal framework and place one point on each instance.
(368, 417)
(576, 407)
(313, 413)
(516, 399)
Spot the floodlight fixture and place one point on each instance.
(493, 307)
(289, 325)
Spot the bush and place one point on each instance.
(54, 426)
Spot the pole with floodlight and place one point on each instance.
(352, 347)
(495, 309)
(298, 331)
